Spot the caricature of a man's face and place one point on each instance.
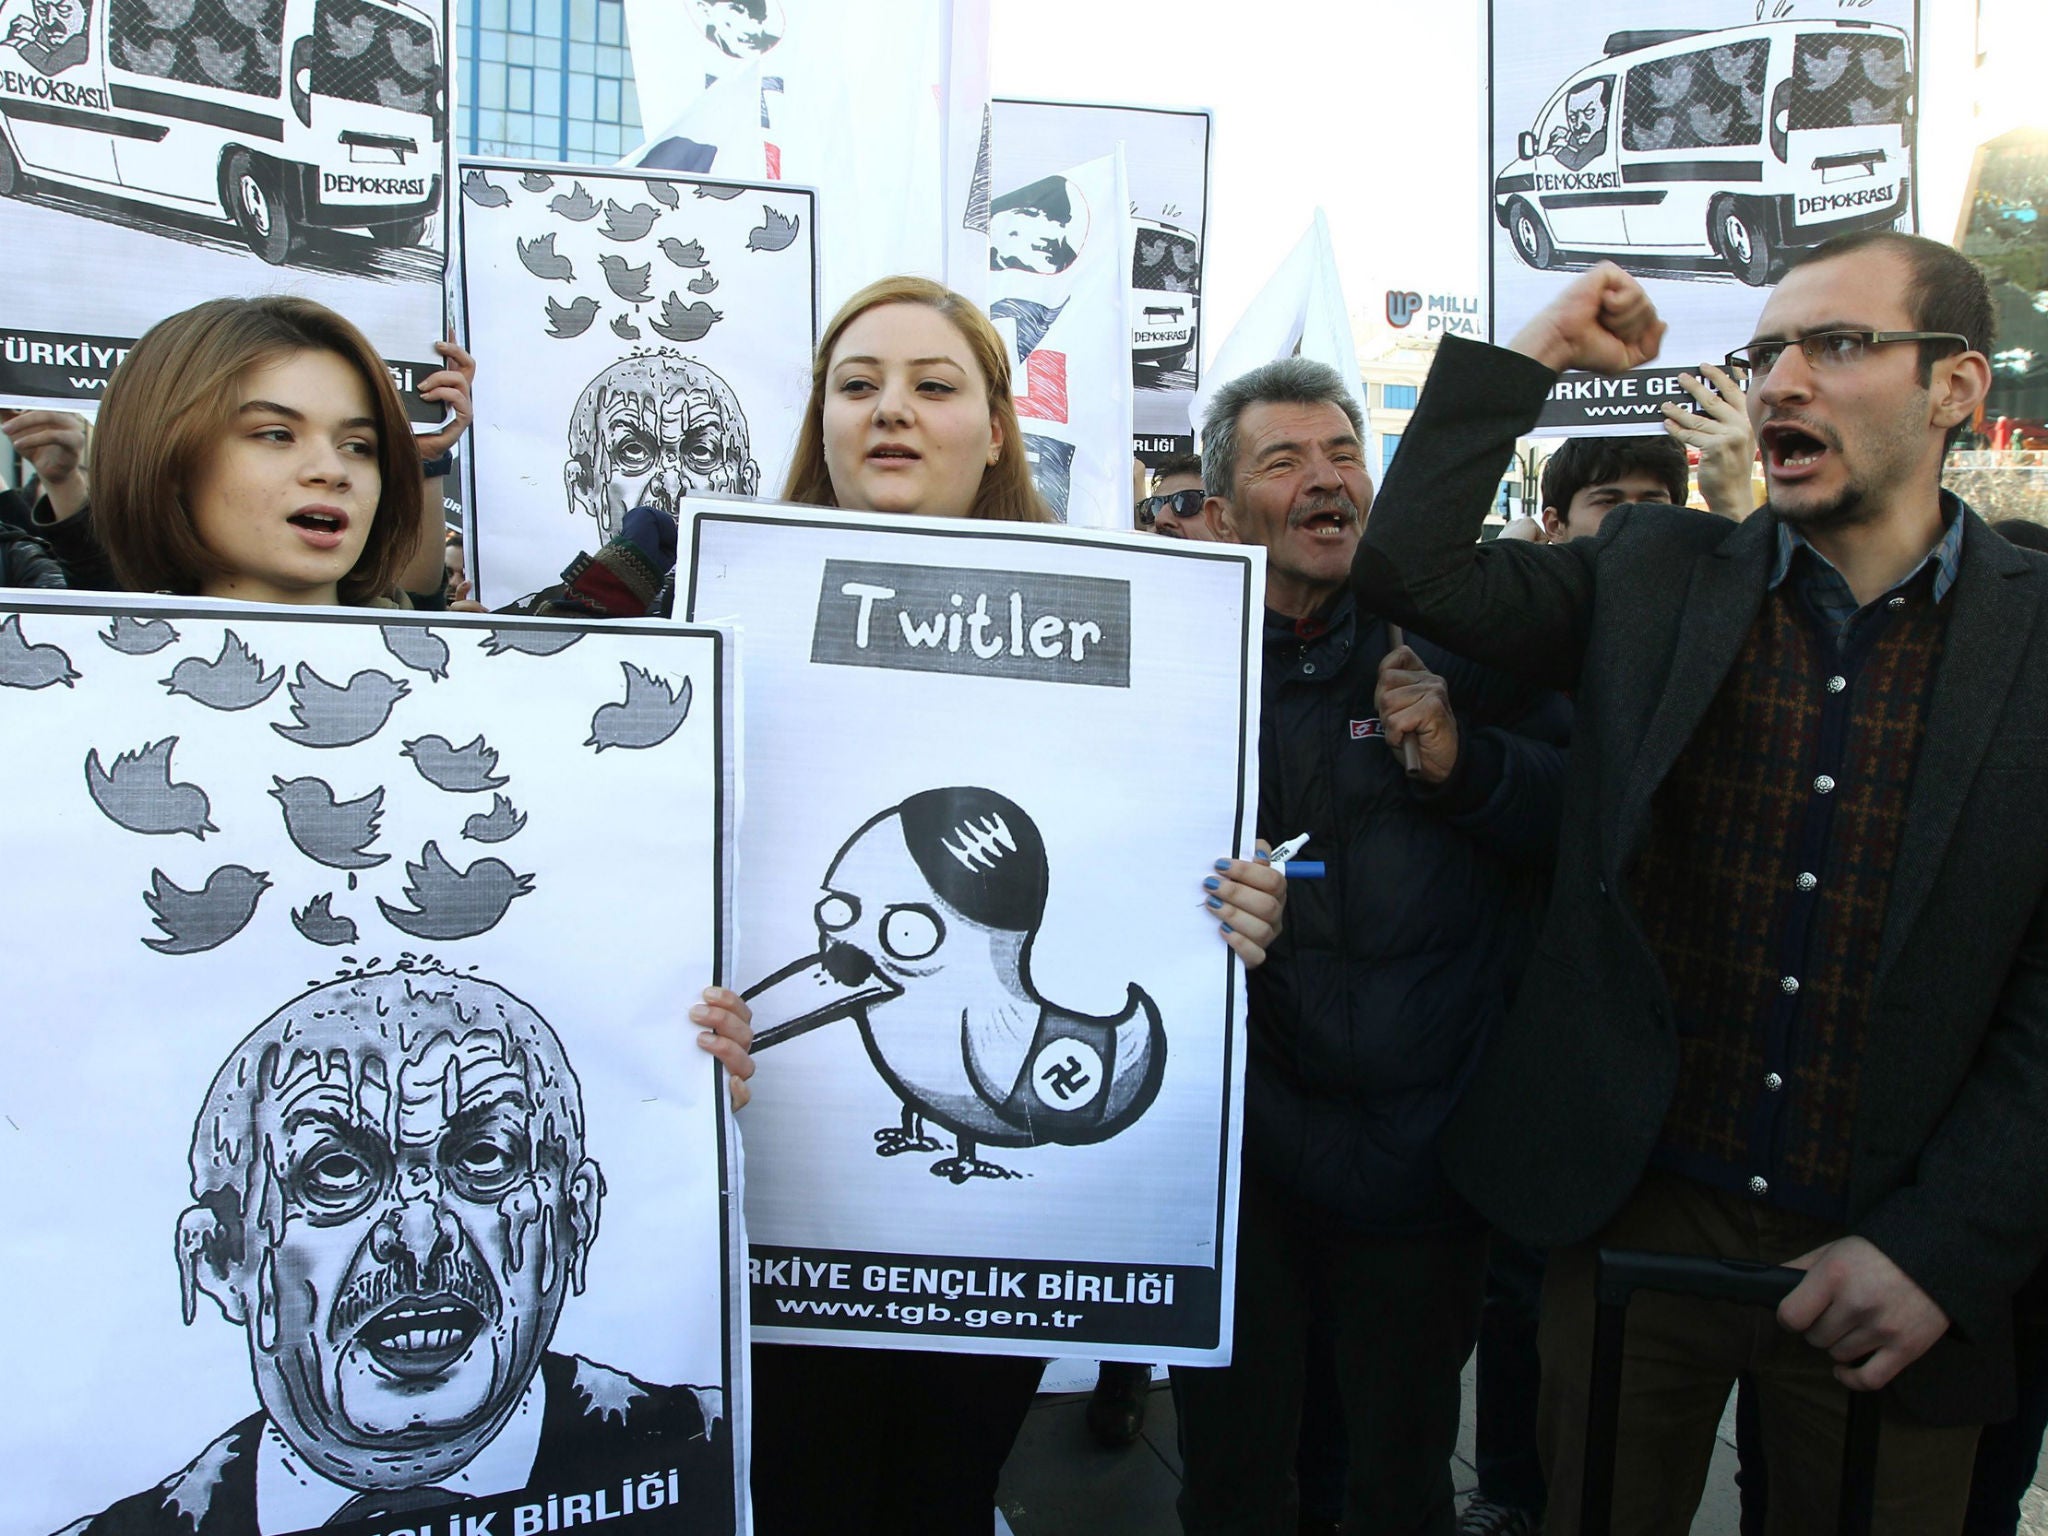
(1585, 111)
(740, 29)
(648, 431)
(58, 21)
(414, 1209)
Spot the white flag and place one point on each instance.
(1299, 313)
(864, 113)
(718, 134)
(1059, 258)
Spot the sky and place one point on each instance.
(1372, 109)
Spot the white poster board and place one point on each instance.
(1699, 147)
(156, 153)
(644, 337)
(1001, 1039)
(1166, 160)
(358, 1135)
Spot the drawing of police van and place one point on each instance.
(1166, 282)
(290, 118)
(1679, 149)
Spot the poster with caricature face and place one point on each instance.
(1166, 158)
(1006, 1033)
(158, 153)
(647, 337)
(1700, 146)
(345, 1200)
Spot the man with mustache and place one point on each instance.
(1374, 1002)
(391, 1195)
(1791, 1002)
(649, 430)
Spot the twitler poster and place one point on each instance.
(1701, 147)
(347, 1196)
(1004, 1035)
(157, 153)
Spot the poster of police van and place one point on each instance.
(1166, 159)
(345, 1201)
(1005, 1034)
(1700, 145)
(157, 153)
(649, 338)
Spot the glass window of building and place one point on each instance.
(546, 80)
(1398, 397)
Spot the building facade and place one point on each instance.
(545, 80)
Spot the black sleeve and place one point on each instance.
(76, 547)
(1524, 608)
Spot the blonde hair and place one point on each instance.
(1006, 493)
(169, 404)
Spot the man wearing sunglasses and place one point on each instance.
(1790, 1005)
(1174, 509)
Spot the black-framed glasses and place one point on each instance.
(1826, 349)
(1186, 503)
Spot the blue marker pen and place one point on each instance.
(1283, 859)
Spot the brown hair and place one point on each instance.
(1006, 494)
(167, 407)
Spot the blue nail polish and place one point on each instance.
(1223, 865)
(1228, 929)
(1262, 857)
(1215, 904)
(1212, 884)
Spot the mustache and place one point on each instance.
(450, 1275)
(1321, 505)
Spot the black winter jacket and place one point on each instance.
(27, 562)
(1391, 971)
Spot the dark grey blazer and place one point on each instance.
(1949, 1160)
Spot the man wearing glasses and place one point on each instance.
(1791, 1002)
(1174, 509)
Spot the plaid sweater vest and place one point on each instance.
(1763, 885)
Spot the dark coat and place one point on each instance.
(1949, 1160)
(26, 562)
(1391, 971)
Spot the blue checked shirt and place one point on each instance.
(1828, 589)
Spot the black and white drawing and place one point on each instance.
(393, 1199)
(1166, 156)
(924, 935)
(1701, 148)
(203, 142)
(448, 1225)
(649, 430)
(971, 934)
(659, 348)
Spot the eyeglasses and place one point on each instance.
(1826, 349)
(1186, 503)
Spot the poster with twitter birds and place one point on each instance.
(648, 338)
(313, 1102)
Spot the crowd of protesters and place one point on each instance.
(1686, 882)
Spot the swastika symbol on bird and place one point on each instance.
(1067, 1073)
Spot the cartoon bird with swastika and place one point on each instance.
(924, 942)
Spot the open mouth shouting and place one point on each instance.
(1332, 520)
(1794, 451)
(320, 526)
(421, 1336)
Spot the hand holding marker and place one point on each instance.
(1283, 859)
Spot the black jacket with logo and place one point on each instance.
(1392, 970)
